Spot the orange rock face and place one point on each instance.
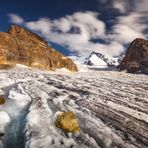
(20, 46)
(136, 58)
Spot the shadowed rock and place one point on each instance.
(20, 46)
(136, 58)
(2, 100)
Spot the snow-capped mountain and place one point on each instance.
(101, 60)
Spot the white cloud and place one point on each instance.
(14, 18)
(142, 5)
(121, 5)
(134, 20)
(89, 19)
(76, 32)
(85, 25)
(125, 6)
(125, 34)
(128, 28)
(63, 24)
(43, 25)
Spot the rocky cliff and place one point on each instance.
(136, 58)
(20, 46)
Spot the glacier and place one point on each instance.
(111, 107)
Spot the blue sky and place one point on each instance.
(78, 27)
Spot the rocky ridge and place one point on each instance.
(20, 46)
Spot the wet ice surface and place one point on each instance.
(111, 107)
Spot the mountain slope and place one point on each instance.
(111, 108)
(20, 46)
(100, 60)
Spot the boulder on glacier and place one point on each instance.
(2, 100)
(67, 122)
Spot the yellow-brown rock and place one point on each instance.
(20, 46)
(2, 100)
(67, 122)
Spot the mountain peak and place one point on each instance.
(20, 46)
(139, 40)
(99, 59)
(15, 30)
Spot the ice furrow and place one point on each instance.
(111, 107)
(114, 118)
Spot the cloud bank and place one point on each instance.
(84, 32)
(15, 18)
(130, 5)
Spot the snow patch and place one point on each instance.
(4, 120)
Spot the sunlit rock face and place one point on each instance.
(20, 46)
(136, 58)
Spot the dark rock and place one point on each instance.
(2, 100)
(136, 58)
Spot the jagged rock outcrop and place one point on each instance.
(20, 46)
(136, 58)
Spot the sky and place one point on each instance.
(78, 27)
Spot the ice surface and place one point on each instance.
(111, 107)
(4, 120)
